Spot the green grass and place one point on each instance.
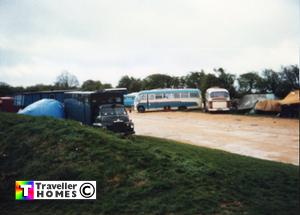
(138, 175)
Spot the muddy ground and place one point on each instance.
(267, 138)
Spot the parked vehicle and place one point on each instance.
(247, 103)
(24, 99)
(84, 106)
(6, 104)
(168, 99)
(114, 117)
(88, 107)
(217, 99)
(129, 99)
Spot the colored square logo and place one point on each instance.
(24, 190)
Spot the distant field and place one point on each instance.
(138, 175)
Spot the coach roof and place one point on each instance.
(186, 90)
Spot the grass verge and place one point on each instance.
(138, 175)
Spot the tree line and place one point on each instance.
(65, 81)
(267, 81)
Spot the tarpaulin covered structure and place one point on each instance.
(291, 98)
(268, 106)
(248, 102)
(44, 107)
(289, 104)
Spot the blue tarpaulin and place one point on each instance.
(44, 107)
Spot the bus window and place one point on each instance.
(151, 97)
(159, 96)
(194, 95)
(184, 95)
(142, 97)
(169, 95)
(177, 95)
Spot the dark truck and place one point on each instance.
(86, 107)
(115, 118)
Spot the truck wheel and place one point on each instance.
(141, 109)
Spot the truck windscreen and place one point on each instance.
(107, 111)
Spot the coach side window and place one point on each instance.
(184, 95)
(143, 97)
(159, 96)
(177, 95)
(151, 97)
(169, 95)
(194, 95)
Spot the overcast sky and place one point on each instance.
(106, 39)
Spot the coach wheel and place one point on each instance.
(141, 109)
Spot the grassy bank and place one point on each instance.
(139, 175)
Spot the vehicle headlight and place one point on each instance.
(98, 124)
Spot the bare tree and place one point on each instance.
(67, 80)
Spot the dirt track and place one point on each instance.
(261, 137)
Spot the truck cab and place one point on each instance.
(114, 117)
(217, 99)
